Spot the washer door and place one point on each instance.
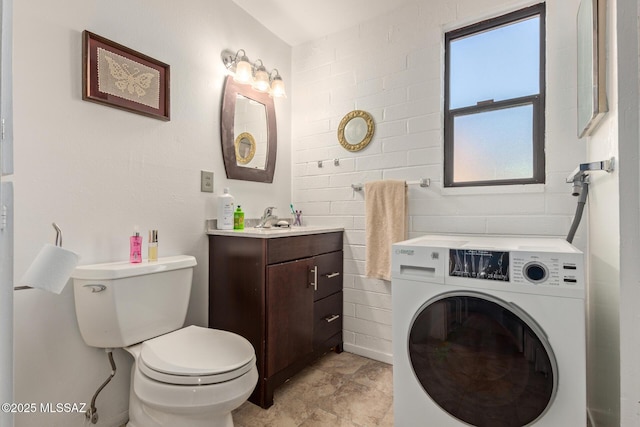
(482, 360)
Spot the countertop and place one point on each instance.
(268, 233)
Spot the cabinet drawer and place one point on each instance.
(327, 314)
(284, 249)
(329, 274)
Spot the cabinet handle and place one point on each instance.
(332, 275)
(314, 270)
(330, 319)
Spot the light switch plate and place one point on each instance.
(206, 181)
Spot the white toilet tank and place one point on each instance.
(120, 304)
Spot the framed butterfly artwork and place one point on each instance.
(120, 77)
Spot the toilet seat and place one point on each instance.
(196, 356)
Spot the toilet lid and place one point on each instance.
(196, 352)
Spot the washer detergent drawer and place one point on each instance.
(419, 263)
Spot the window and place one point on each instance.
(494, 101)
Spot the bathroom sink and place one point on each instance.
(280, 231)
(267, 233)
(272, 229)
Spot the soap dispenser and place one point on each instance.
(225, 210)
(238, 219)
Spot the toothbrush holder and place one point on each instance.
(296, 218)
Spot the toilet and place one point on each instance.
(181, 376)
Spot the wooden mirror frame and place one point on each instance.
(227, 121)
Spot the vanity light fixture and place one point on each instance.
(255, 74)
(238, 66)
(277, 85)
(261, 78)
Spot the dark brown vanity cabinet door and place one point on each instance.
(289, 313)
(283, 294)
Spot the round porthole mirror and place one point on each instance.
(245, 145)
(356, 130)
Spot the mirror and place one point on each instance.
(251, 133)
(592, 97)
(245, 148)
(248, 133)
(356, 130)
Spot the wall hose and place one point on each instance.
(582, 200)
(92, 413)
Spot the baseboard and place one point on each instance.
(590, 422)
(120, 420)
(371, 354)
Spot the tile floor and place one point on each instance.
(341, 390)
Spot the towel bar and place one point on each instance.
(422, 182)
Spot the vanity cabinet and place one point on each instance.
(284, 294)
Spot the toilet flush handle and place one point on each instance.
(95, 288)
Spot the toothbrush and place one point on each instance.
(292, 211)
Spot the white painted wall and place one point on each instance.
(6, 215)
(614, 235)
(628, 46)
(604, 340)
(98, 171)
(393, 67)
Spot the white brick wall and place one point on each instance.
(392, 67)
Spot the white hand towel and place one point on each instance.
(385, 224)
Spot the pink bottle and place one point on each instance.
(135, 248)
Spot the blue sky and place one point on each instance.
(498, 64)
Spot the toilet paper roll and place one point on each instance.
(51, 269)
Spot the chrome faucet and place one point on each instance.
(580, 176)
(268, 218)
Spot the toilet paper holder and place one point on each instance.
(58, 234)
(58, 243)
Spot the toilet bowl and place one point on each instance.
(181, 377)
(191, 377)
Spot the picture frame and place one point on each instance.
(591, 65)
(120, 77)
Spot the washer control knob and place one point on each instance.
(535, 272)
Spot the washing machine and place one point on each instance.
(488, 332)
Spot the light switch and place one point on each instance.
(206, 181)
